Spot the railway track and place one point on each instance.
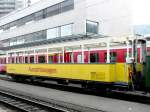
(25, 102)
(26, 105)
(123, 95)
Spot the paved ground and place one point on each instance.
(105, 104)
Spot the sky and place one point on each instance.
(141, 14)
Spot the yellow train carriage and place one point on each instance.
(109, 73)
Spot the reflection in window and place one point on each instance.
(66, 30)
(92, 27)
(52, 33)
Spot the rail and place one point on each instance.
(29, 103)
(26, 105)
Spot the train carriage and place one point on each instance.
(96, 61)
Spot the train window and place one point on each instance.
(113, 57)
(79, 58)
(26, 59)
(94, 58)
(41, 59)
(13, 60)
(50, 59)
(32, 59)
(125, 55)
(70, 58)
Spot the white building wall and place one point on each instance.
(114, 16)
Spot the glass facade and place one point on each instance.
(66, 30)
(56, 9)
(60, 31)
(53, 33)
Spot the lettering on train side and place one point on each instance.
(46, 70)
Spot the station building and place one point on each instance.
(52, 23)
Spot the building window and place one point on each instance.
(13, 42)
(91, 27)
(20, 41)
(52, 33)
(39, 15)
(66, 30)
(67, 5)
(53, 10)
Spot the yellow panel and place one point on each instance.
(95, 72)
(122, 72)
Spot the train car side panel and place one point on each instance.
(94, 72)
